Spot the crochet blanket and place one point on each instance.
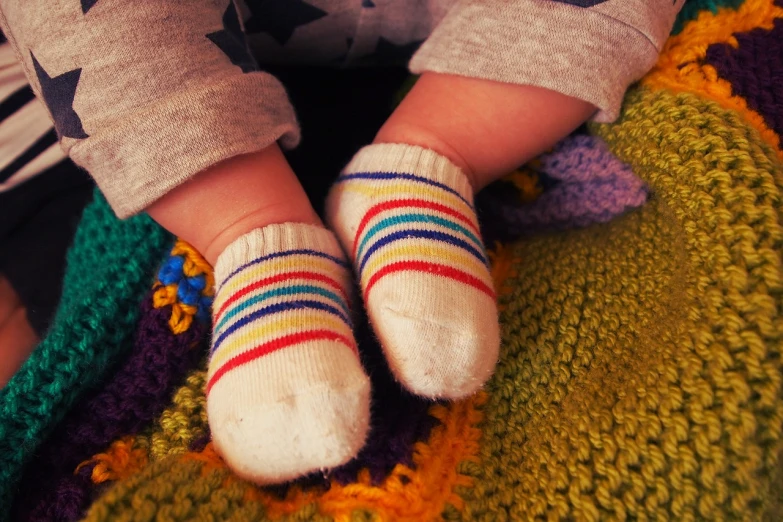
(640, 375)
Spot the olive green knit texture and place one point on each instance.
(109, 269)
(640, 374)
(641, 371)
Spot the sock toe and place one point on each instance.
(290, 426)
(449, 353)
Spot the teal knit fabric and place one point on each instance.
(108, 258)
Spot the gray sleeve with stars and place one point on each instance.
(588, 49)
(146, 94)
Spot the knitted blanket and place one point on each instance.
(640, 376)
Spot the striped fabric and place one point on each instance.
(415, 224)
(278, 300)
(28, 141)
(406, 215)
(286, 391)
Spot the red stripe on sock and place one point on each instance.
(432, 268)
(313, 276)
(278, 344)
(416, 203)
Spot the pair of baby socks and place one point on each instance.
(286, 392)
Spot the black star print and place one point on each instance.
(280, 18)
(389, 52)
(58, 93)
(340, 60)
(232, 41)
(87, 5)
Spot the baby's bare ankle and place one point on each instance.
(395, 131)
(273, 214)
(232, 198)
(486, 128)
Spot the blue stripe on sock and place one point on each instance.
(396, 175)
(424, 234)
(415, 218)
(278, 292)
(276, 308)
(316, 253)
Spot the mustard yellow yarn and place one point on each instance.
(193, 266)
(183, 422)
(641, 373)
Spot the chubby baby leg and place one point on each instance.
(403, 210)
(286, 393)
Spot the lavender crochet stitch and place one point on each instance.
(589, 185)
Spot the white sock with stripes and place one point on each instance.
(286, 392)
(405, 214)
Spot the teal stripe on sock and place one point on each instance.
(281, 292)
(415, 218)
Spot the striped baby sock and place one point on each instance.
(286, 392)
(405, 214)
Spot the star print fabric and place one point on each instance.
(144, 95)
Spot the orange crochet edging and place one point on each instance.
(431, 480)
(195, 264)
(121, 460)
(525, 180)
(680, 67)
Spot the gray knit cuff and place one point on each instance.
(148, 153)
(579, 52)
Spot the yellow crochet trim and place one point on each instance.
(166, 295)
(195, 264)
(409, 493)
(526, 181)
(680, 67)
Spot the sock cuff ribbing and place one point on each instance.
(271, 240)
(410, 159)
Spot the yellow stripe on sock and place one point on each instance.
(433, 252)
(276, 266)
(259, 331)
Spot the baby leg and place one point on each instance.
(169, 113)
(17, 338)
(403, 209)
(286, 393)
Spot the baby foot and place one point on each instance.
(286, 392)
(405, 214)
